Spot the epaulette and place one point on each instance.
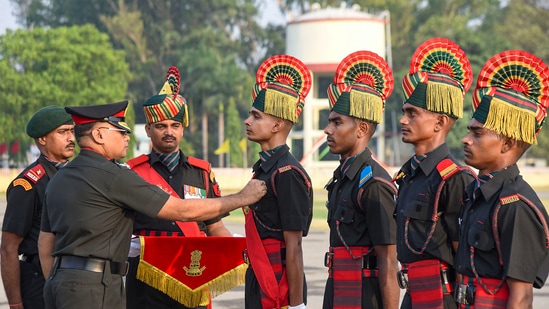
(137, 160)
(35, 173)
(202, 164)
(447, 168)
(365, 175)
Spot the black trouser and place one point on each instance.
(32, 283)
(141, 295)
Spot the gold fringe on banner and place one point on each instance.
(443, 98)
(174, 288)
(511, 121)
(365, 106)
(281, 105)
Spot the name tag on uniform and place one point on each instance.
(193, 192)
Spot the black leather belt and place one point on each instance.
(368, 261)
(91, 264)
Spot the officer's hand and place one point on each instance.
(253, 191)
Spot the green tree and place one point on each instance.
(208, 40)
(66, 66)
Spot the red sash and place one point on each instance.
(190, 269)
(275, 292)
(144, 169)
(347, 273)
(425, 284)
(484, 300)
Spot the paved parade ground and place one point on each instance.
(314, 247)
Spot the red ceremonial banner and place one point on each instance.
(190, 269)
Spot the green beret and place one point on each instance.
(46, 120)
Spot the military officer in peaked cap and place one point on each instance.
(89, 208)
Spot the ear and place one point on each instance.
(147, 129)
(97, 136)
(442, 122)
(508, 144)
(42, 140)
(362, 128)
(278, 125)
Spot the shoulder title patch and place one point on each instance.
(284, 169)
(365, 175)
(34, 174)
(509, 199)
(23, 183)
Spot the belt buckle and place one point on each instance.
(328, 257)
(245, 257)
(402, 279)
(465, 294)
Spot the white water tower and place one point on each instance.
(321, 38)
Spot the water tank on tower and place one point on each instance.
(321, 38)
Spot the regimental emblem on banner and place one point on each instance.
(164, 265)
(194, 269)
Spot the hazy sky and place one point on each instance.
(271, 14)
(6, 18)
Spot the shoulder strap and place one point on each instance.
(138, 160)
(447, 168)
(284, 169)
(390, 184)
(202, 164)
(207, 174)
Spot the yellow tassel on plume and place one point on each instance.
(280, 105)
(186, 116)
(511, 121)
(366, 106)
(444, 98)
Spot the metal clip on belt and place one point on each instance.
(402, 279)
(91, 264)
(465, 294)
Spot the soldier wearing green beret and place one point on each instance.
(53, 132)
